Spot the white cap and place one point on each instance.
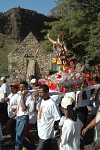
(33, 81)
(66, 101)
(2, 78)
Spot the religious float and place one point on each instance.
(66, 79)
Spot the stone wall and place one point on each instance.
(18, 60)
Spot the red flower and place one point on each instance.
(63, 89)
(87, 75)
(66, 70)
(53, 87)
(75, 87)
(58, 76)
(90, 82)
(86, 82)
(60, 34)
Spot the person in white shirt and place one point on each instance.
(71, 130)
(4, 92)
(22, 114)
(48, 114)
(12, 102)
(33, 111)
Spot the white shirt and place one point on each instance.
(33, 117)
(62, 119)
(4, 89)
(33, 112)
(47, 115)
(12, 103)
(27, 99)
(56, 99)
(70, 139)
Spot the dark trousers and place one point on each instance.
(3, 114)
(44, 144)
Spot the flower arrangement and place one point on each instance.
(67, 82)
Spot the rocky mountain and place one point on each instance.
(53, 12)
(17, 23)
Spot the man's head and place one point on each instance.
(44, 91)
(3, 79)
(23, 85)
(14, 87)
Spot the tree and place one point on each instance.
(79, 24)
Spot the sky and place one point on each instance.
(41, 6)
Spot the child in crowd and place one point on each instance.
(63, 118)
(71, 130)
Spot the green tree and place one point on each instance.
(79, 24)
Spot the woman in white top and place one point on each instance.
(70, 138)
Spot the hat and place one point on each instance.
(66, 101)
(33, 81)
(2, 78)
(15, 85)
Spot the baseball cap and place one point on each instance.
(33, 81)
(3, 78)
(16, 85)
(67, 101)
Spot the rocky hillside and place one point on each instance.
(54, 12)
(17, 23)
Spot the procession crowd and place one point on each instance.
(26, 104)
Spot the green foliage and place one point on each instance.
(80, 25)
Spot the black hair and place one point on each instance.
(52, 72)
(44, 87)
(92, 91)
(24, 82)
(31, 77)
(71, 114)
(96, 79)
(84, 95)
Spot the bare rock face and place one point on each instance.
(17, 23)
(54, 12)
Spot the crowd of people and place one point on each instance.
(26, 104)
